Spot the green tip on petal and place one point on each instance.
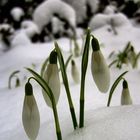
(125, 84)
(28, 89)
(53, 57)
(95, 44)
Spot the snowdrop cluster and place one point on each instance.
(50, 84)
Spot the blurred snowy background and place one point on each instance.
(28, 29)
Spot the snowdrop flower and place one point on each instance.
(51, 76)
(77, 50)
(30, 114)
(99, 68)
(125, 97)
(75, 72)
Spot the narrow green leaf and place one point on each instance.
(113, 62)
(66, 84)
(68, 60)
(84, 65)
(11, 76)
(114, 87)
(44, 66)
(42, 82)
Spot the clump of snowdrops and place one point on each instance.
(127, 56)
(49, 82)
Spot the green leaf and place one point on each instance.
(114, 87)
(68, 60)
(11, 76)
(66, 84)
(84, 65)
(44, 66)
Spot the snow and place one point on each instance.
(116, 19)
(101, 122)
(80, 8)
(17, 13)
(49, 8)
(30, 28)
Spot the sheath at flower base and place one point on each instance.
(30, 114)
(74, 72)
(99, 68)
(51, 76)
(125, 97)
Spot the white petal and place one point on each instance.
(51, 76)
(30, 117)
(125, 97)
(100, 71)
(75, 74)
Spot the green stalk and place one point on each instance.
(44, 66)
(68, 60)
(48, 91)
(10, 78)
(83, 74)
(114, 87)
(66, 84)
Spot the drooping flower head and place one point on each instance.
(51, 76)
(99, 68)
(30, 114)
(125, 97)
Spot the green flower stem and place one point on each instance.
(68, 60)
(83, 74)
(48, 91)
(112, 63)
(66, 84)
(114, 87)
(10, 78)
(44, 66)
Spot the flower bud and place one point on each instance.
(125, 97)
(30, 114)
(99, 68)
(75, 72)
(51, 76)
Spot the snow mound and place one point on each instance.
(20, 38)
(17, 13)
(98, 21)
(45, 11)
(113, 123)
(30, 28)
(79, 7)
(93, 4)
(117, 20)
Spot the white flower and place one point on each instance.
(30, 114)
(51, 76)
(99, 68)
(125, 97)
(75, 72)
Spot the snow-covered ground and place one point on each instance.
(101, 123)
